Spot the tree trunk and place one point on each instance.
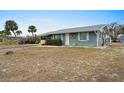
(32, 34)
(14, 33)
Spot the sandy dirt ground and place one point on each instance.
(64, 64)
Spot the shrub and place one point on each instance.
(29, 40)
(22, 41)
(56, 42)
(114, 39)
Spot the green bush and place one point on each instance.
(56, 42)
(10, 42)
(114, 39)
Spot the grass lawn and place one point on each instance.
(63, 64)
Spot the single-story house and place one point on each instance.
(91, 36)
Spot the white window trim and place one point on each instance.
(86, 36)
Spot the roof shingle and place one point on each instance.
(76, 29)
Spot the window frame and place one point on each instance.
(87, 36)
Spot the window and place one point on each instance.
(83, 36)
(57, 36)
(62, 37)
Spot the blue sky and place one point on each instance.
(52, 20)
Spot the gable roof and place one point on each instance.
(76, 29)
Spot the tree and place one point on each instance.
(18, 33)
(121, 30)
(5, 33)
(112, 31)
(32, 29)
(2, 32)
(115, 28)
(11, 26)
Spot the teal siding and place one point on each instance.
(100, 39)
(63, 38)
(59, 36)
(92, 42)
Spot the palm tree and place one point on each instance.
(11, 26)
(18, 33)
(32, 29)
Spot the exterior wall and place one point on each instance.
(100, 38)
(63, 38)
(90, 43)
(59, 36)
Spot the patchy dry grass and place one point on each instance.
(63, 64)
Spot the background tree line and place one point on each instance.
(113, 30)
(12, 27)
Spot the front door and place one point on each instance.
(66, 39)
